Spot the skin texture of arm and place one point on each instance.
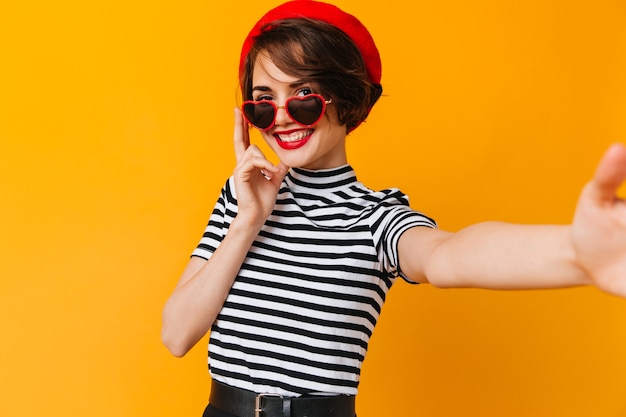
(492, 255)
(201, 291)
(506, 256)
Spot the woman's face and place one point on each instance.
(320, 146)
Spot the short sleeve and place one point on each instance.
(218, 223)
(393, 218)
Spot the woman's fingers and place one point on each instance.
(241, 135)
(253, 166)
(609, 175)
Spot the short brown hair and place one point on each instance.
(317, 52)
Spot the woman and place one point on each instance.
(294, 265)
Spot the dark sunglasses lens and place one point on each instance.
(259, 114)
(305, 110)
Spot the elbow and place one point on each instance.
(174, 343)
(179, 331)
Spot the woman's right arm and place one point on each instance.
(204, 285)
(202, 289)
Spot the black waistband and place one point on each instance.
(243, 403)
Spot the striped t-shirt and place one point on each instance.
(302, 309)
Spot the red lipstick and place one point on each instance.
(293, 139)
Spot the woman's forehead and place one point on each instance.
(266, 73)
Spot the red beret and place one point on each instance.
(328, 13)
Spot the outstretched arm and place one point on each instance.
(508, 256)
(492, 255)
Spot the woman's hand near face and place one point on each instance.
(204, 285)
(257, 180)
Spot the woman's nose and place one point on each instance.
(282, 117)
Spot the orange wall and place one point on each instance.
(115, 129)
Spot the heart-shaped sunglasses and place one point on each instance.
(304, 110)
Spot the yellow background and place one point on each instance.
(115, 138)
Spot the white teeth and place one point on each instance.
(295, 136)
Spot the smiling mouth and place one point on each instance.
(293, 140)
(294, 136)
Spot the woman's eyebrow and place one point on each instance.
(263, 88)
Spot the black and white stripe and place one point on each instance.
(300, 314)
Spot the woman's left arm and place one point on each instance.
(510, 256)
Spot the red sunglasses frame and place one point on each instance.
(285, 106)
